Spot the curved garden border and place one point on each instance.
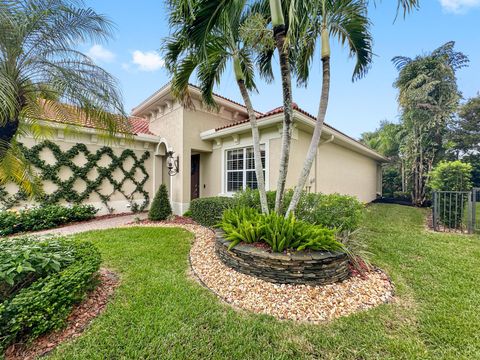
(302, 267)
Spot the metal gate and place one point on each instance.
(455, 211)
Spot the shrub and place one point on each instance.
(280, 233)
(451, 176)
(43, 217)
(45, 304)
(208, 211)
(334, 211)
(25, 260)
(404, 196)
(160, 209)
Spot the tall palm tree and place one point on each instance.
(346, 21)
(231, 40)
(44, 76)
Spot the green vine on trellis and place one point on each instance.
(65, 188)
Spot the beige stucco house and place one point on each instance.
(214, 154)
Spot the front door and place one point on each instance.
(195, 177)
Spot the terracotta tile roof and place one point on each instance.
(279, 110)
(68, 115)
(139, 126)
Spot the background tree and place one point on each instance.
(387, 140)
(44, 76)
(465, 130)
(428, 97)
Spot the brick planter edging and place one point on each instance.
(309, 268)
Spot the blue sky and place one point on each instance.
(132, 57)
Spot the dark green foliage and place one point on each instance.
(24, 260)
(474, 160)
(66, 190)
(280, 233)
(341, 212)
(44, 217)
(391, 181)
(160, 209)
(208, 211)
(44, 304)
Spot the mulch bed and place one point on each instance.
(80, 317)
(175, 220)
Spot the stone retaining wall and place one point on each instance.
(311, 268)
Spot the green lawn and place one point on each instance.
(160, 313)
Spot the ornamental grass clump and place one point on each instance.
(278, 232)
(160, 209)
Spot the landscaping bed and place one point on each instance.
(299, 267)
(284, 301)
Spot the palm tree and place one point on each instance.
(44, 76)
(232, 40)
(347, 21)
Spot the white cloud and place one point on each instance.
(459, 6)
(99, 53)
(147, 61)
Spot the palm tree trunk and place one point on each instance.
(317, 132)
(280, 34)
(256, 145)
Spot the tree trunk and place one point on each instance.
(256, 146)
(280, 33)
(312, 150)
(322, 111)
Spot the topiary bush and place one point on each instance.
(161, 208)
(208, 211)
(38, 298)
(43, 217)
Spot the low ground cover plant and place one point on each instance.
(40, 281)
(279, 232)
(43, 217)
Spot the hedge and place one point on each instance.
(44, 305)
(43, 217)
(208, 211)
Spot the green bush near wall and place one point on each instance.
(208, 211)
(43, 217)
(44, 305)
(160, 208)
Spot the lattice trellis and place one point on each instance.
(65, 188)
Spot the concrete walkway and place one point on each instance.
(100, 224)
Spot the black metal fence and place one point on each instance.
(456, 211)
(476, 209)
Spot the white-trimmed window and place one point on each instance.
(240, 168)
